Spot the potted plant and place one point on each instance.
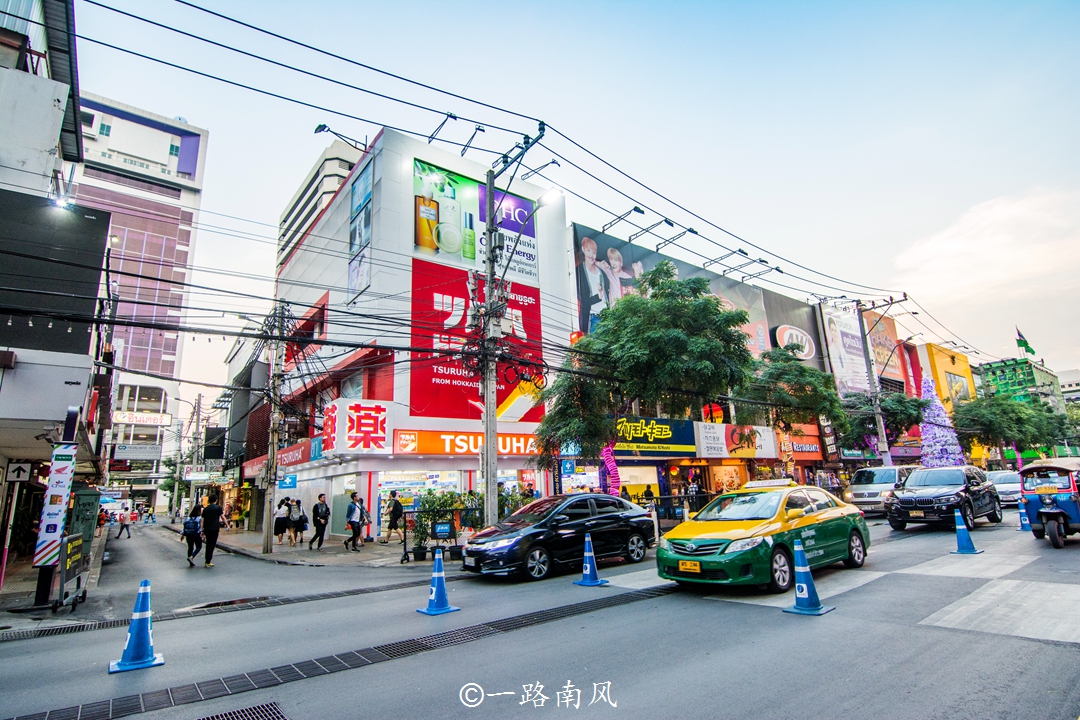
(420, 530)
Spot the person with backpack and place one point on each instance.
(395, 511)
(192, 533)
(211, 526)
(320, 515)
(294, 521)
(354, 518)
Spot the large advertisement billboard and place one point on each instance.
(883, 340)
(793, 321)
(440, 384)
(844, 340)
(607, 268)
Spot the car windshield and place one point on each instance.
(935, 478)
(536, 511)
(755, 506)
(1004, 477)
(873, 476)
(1047, 477)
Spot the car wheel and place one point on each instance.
(781, 571)
(996, 515)
(1055, 533)
(969, 516)
(856, 551)
(635, 548)
(897, 524)
(537, 563)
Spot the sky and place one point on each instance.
(928, 148)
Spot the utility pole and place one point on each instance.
(277, 356)
(196, 455)
(875, 390)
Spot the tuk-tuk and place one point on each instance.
(1049, 496)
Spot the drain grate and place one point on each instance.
(234, 684)
(270, 711)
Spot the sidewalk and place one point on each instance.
(250, 544)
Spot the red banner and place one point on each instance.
(440, 385)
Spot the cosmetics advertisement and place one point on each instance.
(439, 383)
(844, 340)
(607, 268)
(449, 214)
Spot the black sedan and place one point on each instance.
(932, 495)
(551, 532)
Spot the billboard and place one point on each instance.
(718, 440)
(607, 268)
(845, 346)
(958, 388)
(440, 384)
(793, 321)
(449, 213)
(360, 210)
(883, 339)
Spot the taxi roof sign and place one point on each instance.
(779, 482)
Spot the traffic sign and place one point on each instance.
(19, 472)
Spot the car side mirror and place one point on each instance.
(898, 486)
(794, 513)
(559, 520)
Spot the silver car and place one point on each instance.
(1007, 483)
(871, 486)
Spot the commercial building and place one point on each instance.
(1024, 380)
(1070, 385)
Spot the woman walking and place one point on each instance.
(281, 519)
(193, 532)
(301, 522)
(294, 521)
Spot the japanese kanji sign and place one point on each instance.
(352, 427)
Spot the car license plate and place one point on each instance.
(1046, 489)
(689, 566)
(470, 561)
(916, 513)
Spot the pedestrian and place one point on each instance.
(125, 523)
(192, 533)
(354, 519)
(302, 523)
(320, 515)
(395, 511)
(153, 516)
(649, 494)
(102, 518)
(294, 521)
(228, 517)
(211, 525)
(624, 493)
(281, 519)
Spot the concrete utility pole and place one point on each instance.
(491, 334)
(277, 357)
(875, 390)
(196, 454)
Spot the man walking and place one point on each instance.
(211, 526)
(395, 511)
(354, 518)
(125, 523)
(320, 515)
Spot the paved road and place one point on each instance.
(917, 633)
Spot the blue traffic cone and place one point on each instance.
(589, 578)
(438, 603)
(806, 599)
(1025, 524)
(139, 648)
(964, 546)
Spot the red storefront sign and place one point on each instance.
(439, 384)
(354, 427)
(292, 455)
(806, 447)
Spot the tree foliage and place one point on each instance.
(999, 421)
(671, 346)
(899, 412)
(790, 391)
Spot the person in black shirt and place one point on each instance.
(320, 515)
(211, 525)
(395, 511)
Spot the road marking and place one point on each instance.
(1022, 608)
(638, 580)
(827, 585)
(989, 565)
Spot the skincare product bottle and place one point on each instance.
(427, 217)
(449, 207)
(468, 237)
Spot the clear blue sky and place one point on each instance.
(929, 147)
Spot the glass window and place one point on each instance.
(874, 476)
(744, 506)
(936, 477)
(605, 506)
(104, 129)
(1004, 477)
(174, 150)
(577, 510)
(149, 399)
(821, 500)
(797, 501)
(1047, 477)
(538, 510)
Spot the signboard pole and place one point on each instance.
(492, 331)
(54, 509)
(875, 390)
(276, 362)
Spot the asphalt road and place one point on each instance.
(917, 633)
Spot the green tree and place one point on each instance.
(785, 391)
(996, 421)
(899, 412)
(670, 348)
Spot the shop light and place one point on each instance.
(625, 215)
(662, 221)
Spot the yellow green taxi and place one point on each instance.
(748, 536)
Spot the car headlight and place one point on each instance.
(947, 500)
(663, 544)
(886, 493)
(745, 544)
(1047, 500)
(505, 542)
(848, 496)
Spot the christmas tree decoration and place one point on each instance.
(940, 447)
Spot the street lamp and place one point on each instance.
(893, 352)
(720, 259)
(655, 225)
(549, 198)
(673, 238)
(321, 128)
(625, 215)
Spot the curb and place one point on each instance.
(97, 556)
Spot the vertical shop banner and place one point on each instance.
(719, 440)
(883, 340)
(440, 385)
(607, 268)
(844, 340)
(54, 509)
(449, 212)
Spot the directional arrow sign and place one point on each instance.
(19, 472)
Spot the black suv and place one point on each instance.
(931, 495)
